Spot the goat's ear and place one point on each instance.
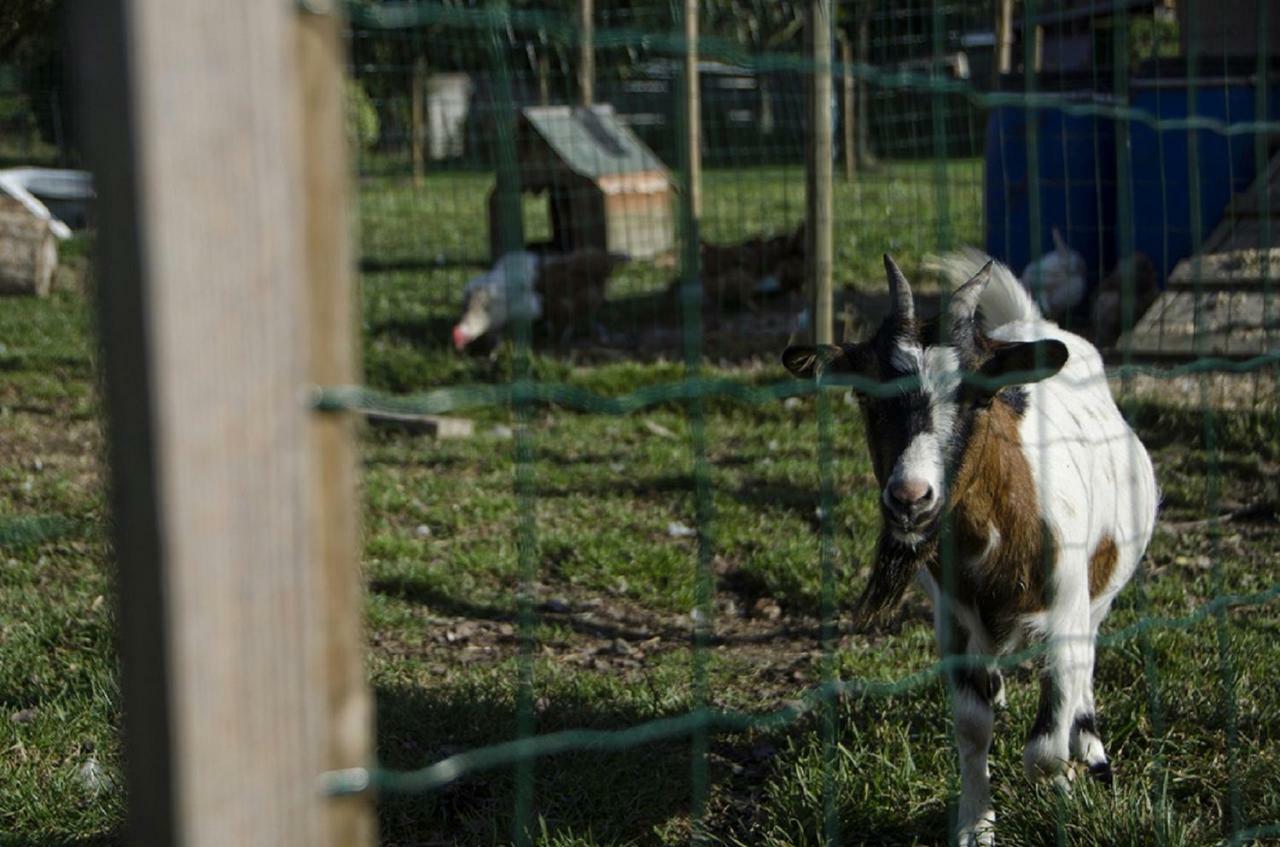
(1029, 361)
(805, 360)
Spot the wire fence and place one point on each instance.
(1127, 128)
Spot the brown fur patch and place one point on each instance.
(994, 488)
(1102, 564)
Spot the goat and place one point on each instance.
(1043, 493)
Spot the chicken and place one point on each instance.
(736, 274)
(562, 288)
(504, 293)
(1057, 279)
(1108, 308)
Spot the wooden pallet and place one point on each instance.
(1225, 300)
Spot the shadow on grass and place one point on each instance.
(623, 624)
(370, 264)
(757, 492)
(617, 797)
(1159, 425)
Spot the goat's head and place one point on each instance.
(918, 406)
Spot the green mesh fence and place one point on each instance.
(1127, 127)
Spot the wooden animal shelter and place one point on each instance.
(605, 188)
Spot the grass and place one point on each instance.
(1190, 714)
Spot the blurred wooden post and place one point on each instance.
(693, 107)
(544, 77)
(849, 111)
(1004, 38)
(865, 157)
(818, 170)
(586, 52)
(216, 137)
(417, 120)
(333, 345)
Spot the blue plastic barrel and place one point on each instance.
(1162, 178)
(1075, 185)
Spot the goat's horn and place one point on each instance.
(964, 300)
(899, 291)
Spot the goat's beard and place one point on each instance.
(896, 564)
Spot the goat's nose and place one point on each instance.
(911, 495)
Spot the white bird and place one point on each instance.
(565, 290)
(1057, 279)
(499, 295)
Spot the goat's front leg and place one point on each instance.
(972, 689)
(971, 694)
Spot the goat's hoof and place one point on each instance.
(982, 835)
(1044, 760)
(1101, 771)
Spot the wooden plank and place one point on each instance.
(1218, 323)
(435, 426)
(818, 171)
(1229, 268)
(194, 124)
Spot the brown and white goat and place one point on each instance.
(1023, 509)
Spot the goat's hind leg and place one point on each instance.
(1064, 697)
(1086, 741)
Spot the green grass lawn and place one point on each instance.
(612, 588)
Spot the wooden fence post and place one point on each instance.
(849, 111)
(693, 108)
(866, 158)
(417, 119)
(333, 344)
(586, 52)
(818, 170)
(222, 262)
(1004, 39)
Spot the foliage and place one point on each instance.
(362, 118)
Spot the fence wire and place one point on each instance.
(919, 124)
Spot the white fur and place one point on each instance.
(924, 459)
